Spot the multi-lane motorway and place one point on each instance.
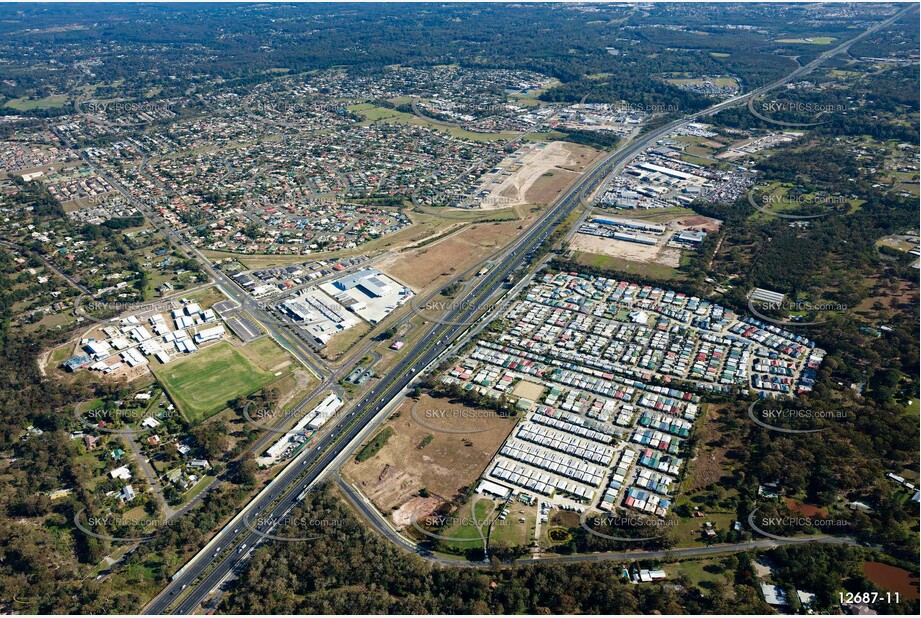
(313, 463)
(231, 546)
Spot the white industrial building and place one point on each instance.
(210, 334)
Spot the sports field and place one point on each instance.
(202, 384)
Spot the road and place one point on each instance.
(311, 464)
(192, 584)
(51, 266)
(374, 517)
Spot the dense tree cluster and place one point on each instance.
(350, 569)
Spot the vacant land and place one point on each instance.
(712, 575)
(635, 252)
(902, 242)
(437, 263)
(378, 442)
(541, 174)
(202, 384)
(265, 354)
(621, 266)
(443, 466)
(819, 40)
(710, 462)
(529, 390)
(696, 222)
(719, 82)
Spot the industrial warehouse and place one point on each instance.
(324, 311)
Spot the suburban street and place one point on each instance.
(194, 582)
(504, 309)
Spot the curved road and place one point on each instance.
(191, 585)
(374, 516)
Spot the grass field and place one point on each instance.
(619, 265)
(373, 113)
(23, 104)
(465, 531)
(202, 384)
(510, 532)
(819, 40)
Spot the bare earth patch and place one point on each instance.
(416, 508)
(697, 222)
(443, 464)
(439, 262)
(528, 182)
(647, 254)
(529, 390)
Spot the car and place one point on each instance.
(242, 547)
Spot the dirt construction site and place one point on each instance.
(437, 445)
(536, 176)
(436, 263)
(659, 253)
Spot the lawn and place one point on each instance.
(622, 266)
(202, 384)
(373, 113)
(914, 407)
(464, 529)
(703, 573)
(512, 532)
(24, 104)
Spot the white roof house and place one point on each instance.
(122, 472)
(128, 493)
(774, 595)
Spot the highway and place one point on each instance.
(311, 464)
(192, 584)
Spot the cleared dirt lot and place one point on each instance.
(540, 175)
(437, 263)
(529, 390)
(443, 464)
(658, 254)
(697, 222)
